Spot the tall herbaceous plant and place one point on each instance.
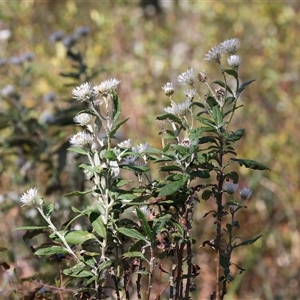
(140, 240)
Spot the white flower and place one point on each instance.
(188, 77)
(130, 160)
(234, 61)
(8, 90)
(83, 119)
(168, 89)
(141, 148)
(178, 109)
(125, 144)
(106, 86)
(82, 92)
(214, 54)
(81, 139)
(245, 194)
(230, 46)
(31, 198)
(230, 187)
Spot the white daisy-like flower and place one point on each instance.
(214, 54)
(32, 198)
(188, 77)
(246, 194)
(83, 119)
(81, 139)
(106, 86)
(230, 187)
(168, 89)
(82, 92)
(178, 109)
(234, 61)
(141, 148)
(230, 46)
(125, 144)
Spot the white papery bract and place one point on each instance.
(234, 61)
(82, 92)
(230, 187)
(178, 109)
(83, 119)
(245, 194)
(230, 46)
(214, 54)
(31, 198)
(106, 87)
(168, 89)
(188, 77)
(81, 139)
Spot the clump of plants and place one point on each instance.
(139, 241)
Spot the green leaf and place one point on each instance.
(206, 194)
(51, 251)
(141, 169)
(248, 242)
(30, 228)
(170, 168)
(105, 265)
(110, 155)
(244, 85)
(232, 73)
(200, 174)
(97, 224)
(251, 164)
(133, 234)
(173, 186)
(116, 106)
(79, 271)
(144, 223)
(116, 127)
(217, 115)
(207, 122)
(123, 182)
(74, 237)
(77, 150)
(77, 193)
(49, 209)
(222, 84)
(170, 117)
(237, 135)
(234, 176)
(134, 254)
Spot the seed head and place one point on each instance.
(245, 194)
(106, 86)
(234, 61)
(83, 119)
(168, 89)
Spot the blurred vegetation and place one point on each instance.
(145, 46)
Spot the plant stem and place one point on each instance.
(219, 219)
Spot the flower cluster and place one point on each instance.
(32, 198)
(229, 47)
